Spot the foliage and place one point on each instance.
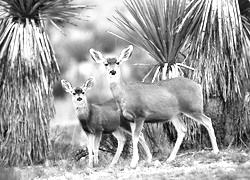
(28, 70)
(56, 11)
(152, 29)
(218, 36)
(217, 46)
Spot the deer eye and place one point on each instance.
(74, 93)
(106, 64)
(117, 63)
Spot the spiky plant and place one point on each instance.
(218, 33)
(28, 69)
(153, 29)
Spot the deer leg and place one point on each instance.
(206, 121)
(144, 144)
(136, 128)
(145, 147)
(90, 149)
(97, 140)
(120, 136)
(181, 131)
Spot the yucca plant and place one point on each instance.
(153, 29)
(218, 37)
(28, 69)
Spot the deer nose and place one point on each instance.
(79, 99)
(113, 72)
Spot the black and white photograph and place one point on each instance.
(124, 89)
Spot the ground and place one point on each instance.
(228, 164)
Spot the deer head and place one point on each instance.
(78, 93)
(112, 65)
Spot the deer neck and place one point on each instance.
(117, 89)
(82, 110)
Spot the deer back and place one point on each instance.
(107, 116)
(161, 100)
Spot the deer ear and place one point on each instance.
(96, 56)
(89, 83)
(66, 86)
(125, 54)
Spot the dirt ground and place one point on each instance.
(227, 165)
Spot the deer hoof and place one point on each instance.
(170, 159)
(216, 151)
(149, 160)
(111, 165)
(90, 165)
(133, 164)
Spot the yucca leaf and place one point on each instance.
(154, 30)
(216, 35)
(54, 10)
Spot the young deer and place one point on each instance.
(158, 102)
(98, 119)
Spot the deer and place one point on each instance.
(98, 119)
(156, 102)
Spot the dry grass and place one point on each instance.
(228, 164)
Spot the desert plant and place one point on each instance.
(28, 70)
(152, 28)
(218, 37)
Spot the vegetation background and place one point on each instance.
(66, 135)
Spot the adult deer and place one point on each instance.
(98, 119)
(157, 102)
